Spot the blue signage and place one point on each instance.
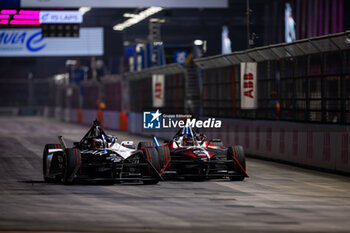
(21, 40)
(29, 42)
(180, 56)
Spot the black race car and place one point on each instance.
(99, 157)
(194, 157)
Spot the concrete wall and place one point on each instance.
(315, 145)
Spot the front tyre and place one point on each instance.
(72, 161)
(150, 154)
(236, 153)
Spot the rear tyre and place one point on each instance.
(151, 155)
(45, 168)
(236, 152)
(142, 145)
(72, 159)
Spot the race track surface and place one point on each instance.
(276, 197)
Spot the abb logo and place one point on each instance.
(158, 90)
(248, 84)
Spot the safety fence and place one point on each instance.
(25, 96)
(303, 81)
(80, 103)
(140, 89)
(24, 92)
(93, 100)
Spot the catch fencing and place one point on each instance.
(303, 81)
(140, 92)
(303, 111)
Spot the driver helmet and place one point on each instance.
(187, 130)
(96, 131)
(97, 143)
(188, 140)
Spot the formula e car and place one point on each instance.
(194, 157)
(99, 157)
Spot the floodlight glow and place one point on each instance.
(4, 16)
(137, 18)
(157, 20)
(83, 10)
(129, 15)
(198, 42)
(61, 77)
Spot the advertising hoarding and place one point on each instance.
(29, 43)
(158, 90)
(249, 88)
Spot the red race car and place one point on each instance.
(194, 157)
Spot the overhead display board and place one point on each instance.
(124, 3)
(29, 42)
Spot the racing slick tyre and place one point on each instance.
(236, 152)
(142, 145)
(216, 142)
(163, 155)
(72, 161)
(151, 155)
(45, 168)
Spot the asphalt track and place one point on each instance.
(276, 197)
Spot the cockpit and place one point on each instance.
(96, 138)
(187, 136)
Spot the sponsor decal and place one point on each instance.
(158, 90)
(61, 17)
(29, 42)
(95, 152)
(19, 40)
(249, 97)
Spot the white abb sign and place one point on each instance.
(158, 90)
(249, 88)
